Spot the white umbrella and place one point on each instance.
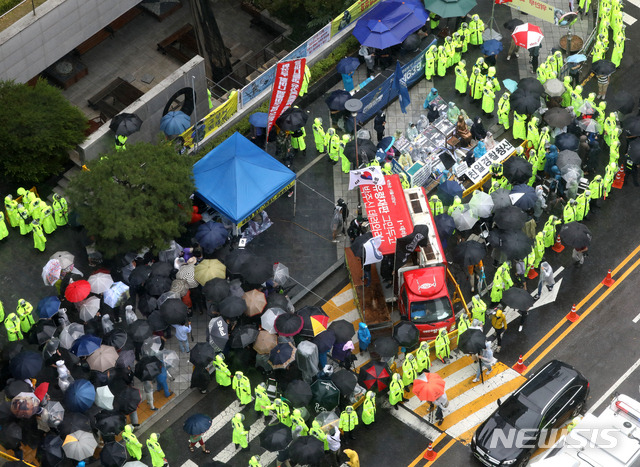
(79, 445)
(88, 308)
(465, 219)
(280, 273)
(481, 203)
(103, 358)
(104, 398)
(71, 333)
(51, 272)
(268, 319)
(65, 258)
(100, 282)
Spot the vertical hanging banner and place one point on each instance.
(286, 88)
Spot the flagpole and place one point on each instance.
(354, 106)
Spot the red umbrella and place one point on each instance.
(77, 291)
(428, 386)
(375, 376)
(527, 35)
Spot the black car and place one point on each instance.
(509, 436)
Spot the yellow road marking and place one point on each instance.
(583, 316)
(444, 449)
(465, 438)
(433, 444)
(579, 305)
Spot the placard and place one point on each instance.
(482, 166)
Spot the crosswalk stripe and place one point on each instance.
(409, 419)
(221, 420)
(465, 438)
(230, 450)
(189, 463)
(628, 19)
(344, 296)
(635, 3)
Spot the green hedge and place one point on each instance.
(318, 70)
(6, 5)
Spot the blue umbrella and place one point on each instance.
(386, 143)
(175, 123)
(259, 119)
(337, 99)
(85, 345)
(524, 196)
(491, 47)
(211, 236)
(576, 58)
(348, 65)
(196, 424)
(510, 84)
(448, 190)
(390, 23)
(567, 141)
(27, 364)
(79, 396)
(48, 306)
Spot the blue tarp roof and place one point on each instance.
(237, 177)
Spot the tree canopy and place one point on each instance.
(38, 126)
(134, 198)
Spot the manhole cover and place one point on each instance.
(64, 67)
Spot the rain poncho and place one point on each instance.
(546, 274)
(431, 96)
(480, 150)
(307, 360)
(453, 112)
(364, 336)
(551, 159)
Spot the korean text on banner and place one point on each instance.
(535, 8)
(214, 120)
(368, 176)
(387, 212)
(286, 88)
(354, 12)
(481, 167)
(318, 40)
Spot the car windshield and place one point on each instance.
(431, 311)
(518, 414)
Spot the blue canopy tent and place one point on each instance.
(238, 179)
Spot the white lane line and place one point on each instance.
(636, 319)
(628, 19)
(610, 391)
(189, 463)
(412, 421)
(633, 2)
(222, 419)
(343, 298)
(230, 450)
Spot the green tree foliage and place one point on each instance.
(37, 128)
(134, 198)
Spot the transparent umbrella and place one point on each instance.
(70, 333)
(104, 398)
(465, 219)
(268, 319)
(151, 346)
(280, 273)
(327, 420)
(170, 358)
(481, 204)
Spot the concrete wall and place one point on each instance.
(36, 42)
(150, 107)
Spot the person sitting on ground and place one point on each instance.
(477, 130)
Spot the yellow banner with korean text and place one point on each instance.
(352, 13)
(535, 8)
(214, 120)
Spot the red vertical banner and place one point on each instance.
(286, 87)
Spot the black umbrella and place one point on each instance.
(161, 268)
(232, 307)
(139, 275)
(631, 125)
(325, 395)
(26, 364)
(202, 354)
(277, 300)
(282, 355)
(512, 24)
(125, 124)
(236, 259)
(375, 376)
(366, 151)
(216, 290)
(567, 141)
(406, 334)
(109, 422)
(517, 170)
(445, 225)
(633, 151)
(218, 333)
(568, 158)
(128, 400)
(603, 67)
(525, 102)
(386, 347)
(174, 311)
(126, 358)
(276, 437)
(292, 119)
(337, 99)
(510, 218)
(531, 85)
(525, 196)
(50, 451)
(575, 235)
(345, 381)
(469, 253)
(116, 338)
(298, 392)
(148, 368)
(258, 271)
(11, 436)
(139, 330)
(156, 322)
(6, 415)
(324, 341)
(357, 246)
(557, 117)
(411, 43)
(306, 450)
(622, 101)
(15, 387)
(517, 298)
(42, 331)
(342, 329)
(74, 421)
(113, 454)
(288, 324)
(514, 244)
(157, 285)
(244, 335)
(472, 341)
(11, 349)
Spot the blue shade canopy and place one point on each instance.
(237, 177)
(389, 23)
